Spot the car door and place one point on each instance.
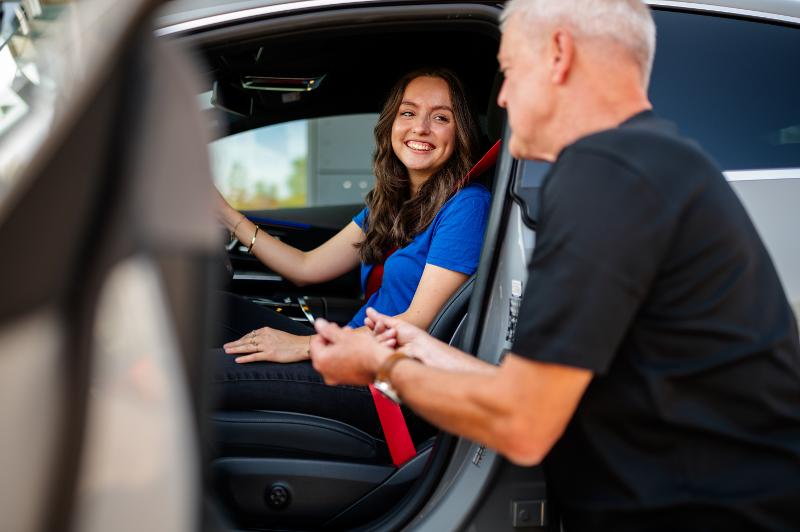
(731, 83)
(106, 235)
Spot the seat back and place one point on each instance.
(453, 312)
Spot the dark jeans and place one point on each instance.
(293, 387)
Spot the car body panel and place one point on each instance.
(771, 198)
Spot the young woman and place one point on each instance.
(419, 215)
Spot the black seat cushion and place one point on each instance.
(270, 433)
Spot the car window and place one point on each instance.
(321, 161)
(731, 84)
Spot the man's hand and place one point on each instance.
(396, 333)
(391, 331)
(345, 356)
(413, 341)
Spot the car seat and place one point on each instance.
(287, 468)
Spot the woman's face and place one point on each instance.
(424, 130)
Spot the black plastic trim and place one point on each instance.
(367, 19)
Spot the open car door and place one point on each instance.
(108, 245)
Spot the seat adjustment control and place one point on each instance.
(527, 514)
(278, 496)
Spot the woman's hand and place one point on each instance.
(269, 345)
(227, 215)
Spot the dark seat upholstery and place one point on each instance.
(453, 313)
(268, 433)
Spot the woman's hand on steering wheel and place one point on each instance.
(269, 345)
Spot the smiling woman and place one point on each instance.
(425, 118)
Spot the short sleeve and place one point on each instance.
(603, 231)
(458, 234)
(361, 217)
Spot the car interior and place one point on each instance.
(285, 470)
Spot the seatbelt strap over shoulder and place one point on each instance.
(395, 429)
(487, 161)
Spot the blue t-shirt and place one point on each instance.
(453, 240)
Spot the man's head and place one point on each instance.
(572, 67)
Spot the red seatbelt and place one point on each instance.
(486, 162)
(395, 429)
(375, 277)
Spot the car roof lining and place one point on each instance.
(361, 54)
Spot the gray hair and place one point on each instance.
(628, 22)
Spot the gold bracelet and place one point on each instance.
(253, 241)
(235, 227)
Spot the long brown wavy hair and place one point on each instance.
(395, 218)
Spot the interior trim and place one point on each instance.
(215, 20)
(256, 276)
(763, 175)
(226, 18)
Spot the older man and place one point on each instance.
(656, 364)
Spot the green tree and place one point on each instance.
(237, 185)
(298, 183)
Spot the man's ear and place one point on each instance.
(562, 55)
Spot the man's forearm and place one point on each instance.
(465, 403)
(454, 359)
(520, 408)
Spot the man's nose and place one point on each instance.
(501, 96)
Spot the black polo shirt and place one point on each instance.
(648, 272)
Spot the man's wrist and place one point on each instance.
(383, 381)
